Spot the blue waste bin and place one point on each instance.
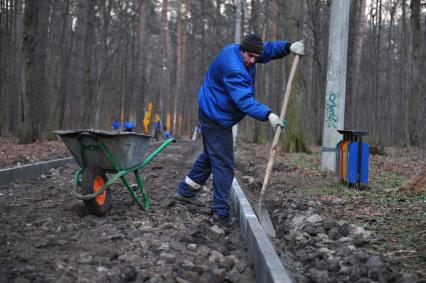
(355, 156)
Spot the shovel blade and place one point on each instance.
(265, 220)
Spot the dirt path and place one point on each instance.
(47, 235)
(327, 233)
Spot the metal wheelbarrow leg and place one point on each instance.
(135, 170)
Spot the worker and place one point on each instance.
(167, 134)
(157, 126)
(116, 125)
(129, 126)
(226, 96)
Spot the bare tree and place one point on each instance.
(87, 81)
(180, 71)
(59, 25)
(34, 81)
(415, 74)
(356, 38)
(163, 68)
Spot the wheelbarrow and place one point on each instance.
(99, 152)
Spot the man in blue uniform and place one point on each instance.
(225, 97)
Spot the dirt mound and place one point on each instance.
(417, 183)
(13, 154)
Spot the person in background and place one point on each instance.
(226, 96)
(129, 126)
(147, 118)
(167, 134)
(116, 125)
(157, 126)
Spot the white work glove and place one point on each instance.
(275, 120)
(298, 48)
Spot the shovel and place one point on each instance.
(261, 212)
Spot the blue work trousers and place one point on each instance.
(217, 158)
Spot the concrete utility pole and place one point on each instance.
(237, 40)
(334, 110)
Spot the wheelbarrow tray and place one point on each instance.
(127, 149)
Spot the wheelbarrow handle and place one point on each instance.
(154, 154)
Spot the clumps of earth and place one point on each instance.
(47, 235)
(317, 249)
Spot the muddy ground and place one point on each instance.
(48, 236)
(325, 231)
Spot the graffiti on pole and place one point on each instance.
(331, 110)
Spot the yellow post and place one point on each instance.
(168, 121)
(147, 118)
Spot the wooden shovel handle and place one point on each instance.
(278, 131)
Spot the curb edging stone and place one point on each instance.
(29, 171)
(268, 266)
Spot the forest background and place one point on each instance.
(85, 63)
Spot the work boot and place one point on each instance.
(224, 221)
(194, 200)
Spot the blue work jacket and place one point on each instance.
(228, 93)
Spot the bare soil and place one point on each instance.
(13, 154)
(47, 235)
(327, 232)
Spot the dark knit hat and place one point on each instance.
(252, 43)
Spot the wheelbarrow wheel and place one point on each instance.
(91, 181)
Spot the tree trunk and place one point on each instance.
(180, 72)
(163, 68)
(58, 93)
(376, 73)
(6, 55)
(356, 36)
(388, 117)
(295, 134)
(27, 134)
(103, 64)
(404, 90)
(34, 101)
(86, 90)
(416, 76)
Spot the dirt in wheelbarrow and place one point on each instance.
(327, 232)
(47, 235)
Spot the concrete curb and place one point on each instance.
(268, 266)
(25, 172)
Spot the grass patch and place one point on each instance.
(387, 180)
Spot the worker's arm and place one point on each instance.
(274, 50)
(242, 93)
(278, 49)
